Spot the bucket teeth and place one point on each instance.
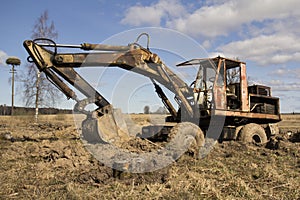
(109, 128)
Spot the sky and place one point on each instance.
(263, 33)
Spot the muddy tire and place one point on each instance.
(237, 131)
(253, 133)
(187, 137)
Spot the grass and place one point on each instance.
(51, 163)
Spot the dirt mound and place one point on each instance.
(49, 161)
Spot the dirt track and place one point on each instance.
(48, 161)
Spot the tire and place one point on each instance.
(186, 137)
(237, 132)
(253, 133)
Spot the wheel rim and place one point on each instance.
(256, 139)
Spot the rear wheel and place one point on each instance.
(253, 133)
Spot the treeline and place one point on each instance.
(6, 110)
(160, 110)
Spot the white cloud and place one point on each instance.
(291, 86)
(152, 15)
(228, 17)
(3, 57)
(280, 72)
(138, 16)
(266, 32)
(206, 44)
(282, 85)
(287, 73)
(214, 19)
(284, 25)
(265, 49)
(276, 82)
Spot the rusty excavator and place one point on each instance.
(219, 91)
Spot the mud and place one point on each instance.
(48, 160)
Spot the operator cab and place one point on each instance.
(220, 77)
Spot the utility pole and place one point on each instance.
(13, 61)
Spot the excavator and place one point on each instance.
(218, 103)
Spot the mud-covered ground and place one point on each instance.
(47, 160)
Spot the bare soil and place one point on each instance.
(47, 160)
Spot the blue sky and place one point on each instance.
(263, 33)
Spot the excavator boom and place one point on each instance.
(58, 66)
(132, 57)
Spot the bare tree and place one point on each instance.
(146, 110)
(233, 74)
(38, 90)
(161, 110)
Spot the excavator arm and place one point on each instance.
(132, 57)
(58, 66)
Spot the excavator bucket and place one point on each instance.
(109, 128)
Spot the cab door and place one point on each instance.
(219, 87)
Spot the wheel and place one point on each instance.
(237, 131)
(253, 133)
(186, 137)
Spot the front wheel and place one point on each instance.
(186, 137)
(253, 133)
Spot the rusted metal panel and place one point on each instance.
(244, 89)
(219, 86)
(230, 113)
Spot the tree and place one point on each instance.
(233, 74)
(161, 110)
(146, 110)
(38, 90)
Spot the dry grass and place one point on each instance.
(47, 161)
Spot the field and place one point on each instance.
(47, 160)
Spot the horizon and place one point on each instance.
(268, 41)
